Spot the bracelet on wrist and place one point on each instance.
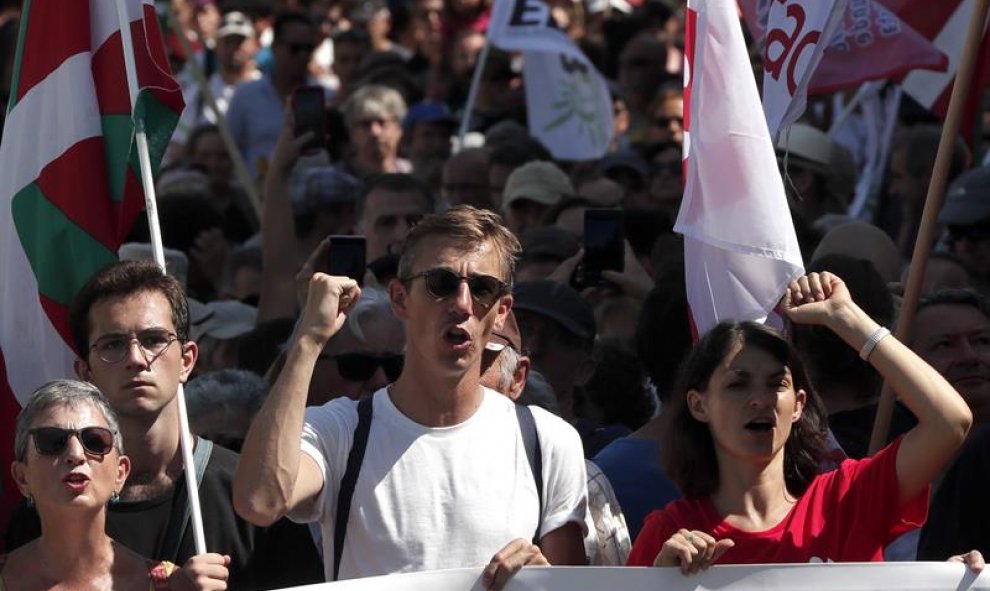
(872, 342)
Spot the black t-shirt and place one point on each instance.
(283, 555)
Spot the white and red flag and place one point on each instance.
(944, 23)
(70, 184)
(740, 248)
(870, 42)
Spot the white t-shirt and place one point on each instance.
(447, 497)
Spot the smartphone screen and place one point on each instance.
(309, 112)
(604, 238)
(346, 257)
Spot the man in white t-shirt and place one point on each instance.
(446, 480)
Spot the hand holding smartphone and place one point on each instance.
(604, 240)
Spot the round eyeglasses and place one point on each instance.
(113, 348)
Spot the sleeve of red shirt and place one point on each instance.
(871, 486)
(657, 529)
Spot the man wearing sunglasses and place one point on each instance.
(445, 480)
(130, 324)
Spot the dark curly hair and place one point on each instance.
(687, 447)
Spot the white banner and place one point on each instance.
(797, 34)
(873, 576)
(570, 109)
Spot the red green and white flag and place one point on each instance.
(70, 184)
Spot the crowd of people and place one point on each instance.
(467, 394)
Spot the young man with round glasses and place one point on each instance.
(445, 480)
(130, 324)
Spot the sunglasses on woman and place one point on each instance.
(52, 441)
(443, 283)
(360, 367)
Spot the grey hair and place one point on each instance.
(68, 393)
(374, 99)
(508, 362)
(374, 302)
(225, 389)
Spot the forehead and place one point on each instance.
(942, 320)
(131, 312)
(440, 251)
(384, 202)
(750, 359)
(75, 414)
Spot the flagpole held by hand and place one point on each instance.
(148, 184)
(479, 68)
(933, 203)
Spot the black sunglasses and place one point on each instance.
(52, 441)
(359, 367)
(443, 283)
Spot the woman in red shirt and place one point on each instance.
(745, 435)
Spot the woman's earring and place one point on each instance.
(30, 501)
(115, 497)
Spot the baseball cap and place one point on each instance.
(807, 143)
(322, 186)
(235, 23)
(538, 181)
(558, 302)
(508, 336)
(967, 202)
(428, 112)
(223, 319)
(549, 242)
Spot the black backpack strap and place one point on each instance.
(347, 483)
(179, 519)
(531, 441)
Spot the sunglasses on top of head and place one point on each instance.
(443, 283)
(52, 441)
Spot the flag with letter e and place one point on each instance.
(740, 249)
(69, 178)
(570, 109)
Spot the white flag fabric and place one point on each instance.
(570, 109)
(740, 248)
(798, 32)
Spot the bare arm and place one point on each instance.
(278, 237)
(943, 417)
(274, 476)
(564, 546)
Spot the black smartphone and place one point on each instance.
(310, 114)
(346, 257)
(604, 244)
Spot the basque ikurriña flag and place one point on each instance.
(69, 178)
(740, 248)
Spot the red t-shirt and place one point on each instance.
(847, 515)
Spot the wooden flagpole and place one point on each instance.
(933, 203)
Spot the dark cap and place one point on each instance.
(428, 112)
(967, 202)
(558, 302)
(322, 186)
(549, 242)
(507, 336)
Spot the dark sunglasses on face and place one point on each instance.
(663, 121)
(113, 348)
(360, 367)
(443, 283)
(52, 441)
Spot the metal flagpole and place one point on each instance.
(473, 92)
(148, 184)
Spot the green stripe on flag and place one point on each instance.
(61, 254)
(15, 77)
(118, 137)
(159, 123)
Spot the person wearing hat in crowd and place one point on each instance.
(426, 134)
(558, 327)
(465, 179)
(217, 331)
(530, 191)
(236, 44)
(966, 216)
(543, 250)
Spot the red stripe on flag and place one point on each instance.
(76, 183)
(10, 496)
(58, 315)
(151, 64)
(924, 16)
(54, 33)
